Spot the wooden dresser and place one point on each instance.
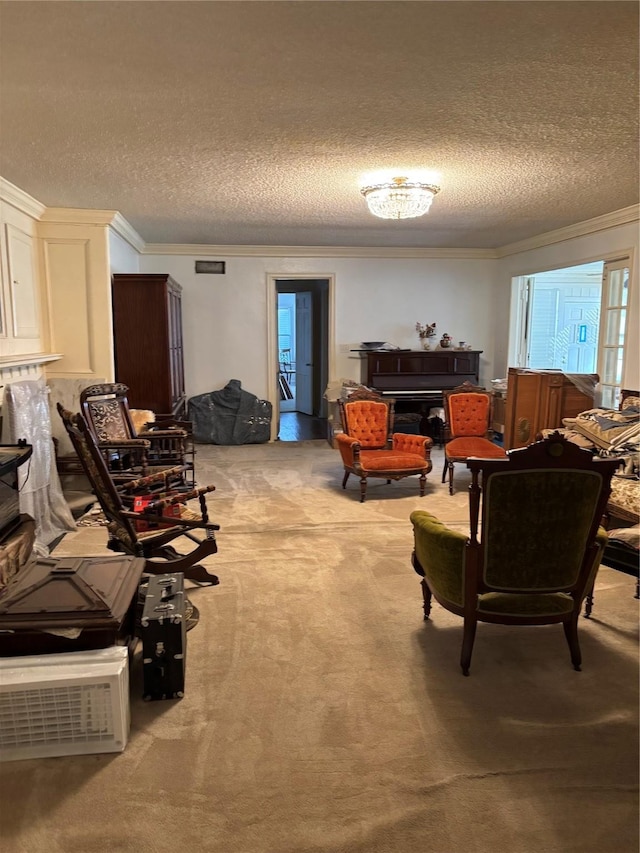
(540, 399)
(147, 334)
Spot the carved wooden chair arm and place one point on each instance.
(181, 498)
(152, 479)
(116, 443)
(163, 421)
(162, 433)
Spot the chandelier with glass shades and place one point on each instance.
(399, 198)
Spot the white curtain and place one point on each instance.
(26, 415)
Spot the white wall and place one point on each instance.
(122, 256)
(602, 245)
(225, 316)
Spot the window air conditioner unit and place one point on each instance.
(64, 704)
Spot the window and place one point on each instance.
(613, 327)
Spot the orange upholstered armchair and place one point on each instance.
(467, 428)
(370, 449)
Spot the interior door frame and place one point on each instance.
(273, 363)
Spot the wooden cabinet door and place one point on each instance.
(538, 400)
(175, 346)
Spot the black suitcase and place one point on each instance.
(164, 637)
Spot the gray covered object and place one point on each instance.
(230, 416)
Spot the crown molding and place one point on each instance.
(124, 229)
(100, 218)
(79, 216)
(581, 229)
(203, 250)
(13, 195)
(624, 216)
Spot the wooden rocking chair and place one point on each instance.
(165, 517)
(130, 453)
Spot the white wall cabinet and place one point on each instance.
(23, 292)
(20, 314)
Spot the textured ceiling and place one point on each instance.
(251, 123)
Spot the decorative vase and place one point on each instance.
(425, 343)
(445, 341)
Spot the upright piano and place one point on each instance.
(417, 379)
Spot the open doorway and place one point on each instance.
(302, 335)
(562, 319)
(574, 319)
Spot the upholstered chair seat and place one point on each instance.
(460, 449)
(383, 460)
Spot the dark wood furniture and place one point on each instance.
(417, 379)
(147, 533)
(130, 453)
(147, 336)
(540, 399)
(97, 596)
(531, 566)
(420, 375)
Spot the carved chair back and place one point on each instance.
(95, 468)
(370, 421)
(106, 409)
(540, 510)
(468, 411)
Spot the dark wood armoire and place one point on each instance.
(147, 334)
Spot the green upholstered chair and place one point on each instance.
(369, 447)
(467, 429)
(538, 549)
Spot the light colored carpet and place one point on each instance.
(322, 715)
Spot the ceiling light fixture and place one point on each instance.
(399, 198)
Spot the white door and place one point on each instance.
(562, 311)
(579, 336)
(304, 353)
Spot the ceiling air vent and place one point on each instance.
(211, 267)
